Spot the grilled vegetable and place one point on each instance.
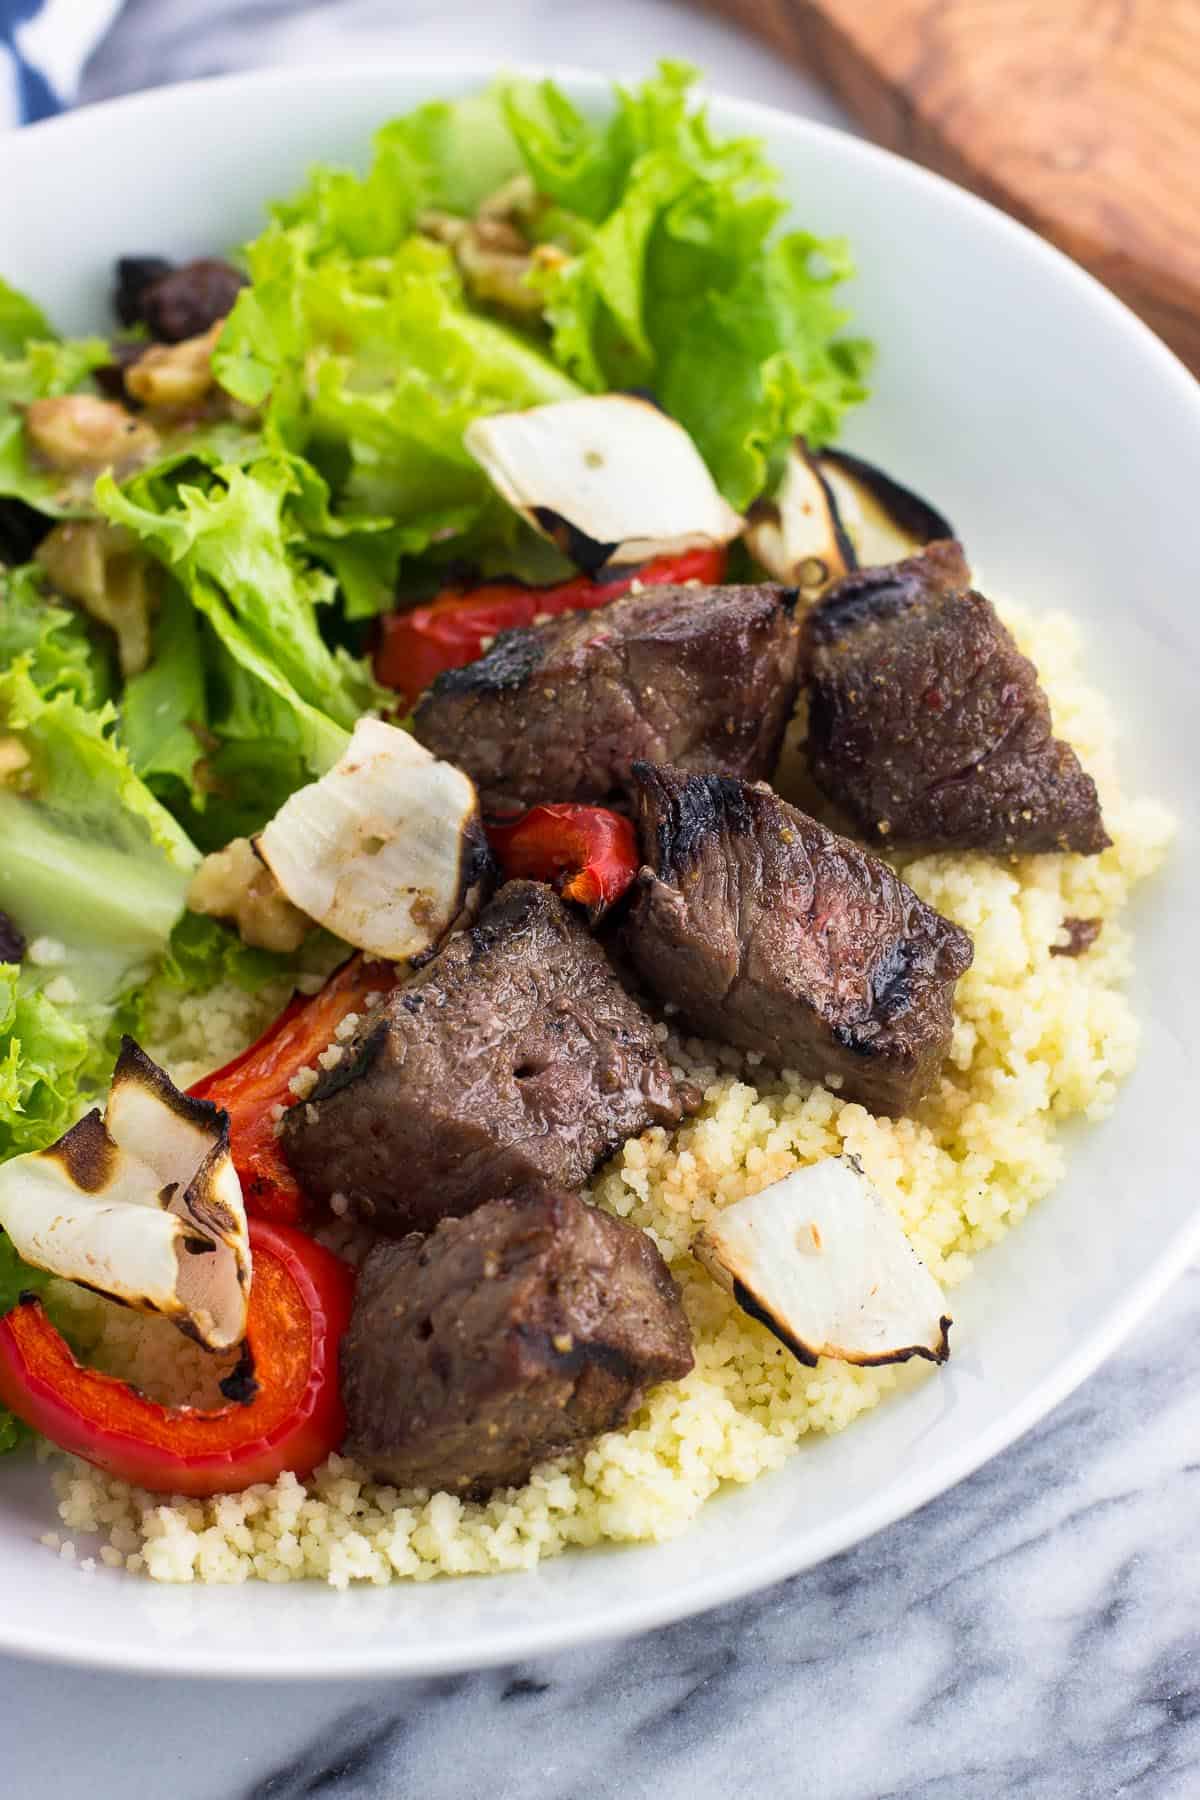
(257, 1087)
(884, 520)
(834, 512)
(283, 1411)
(456, 628)
(821, 1261)
(143, 1205)
(798, 536)
(587, 852)
(387, 850)
(610, 479)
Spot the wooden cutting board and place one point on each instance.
(1081, 117)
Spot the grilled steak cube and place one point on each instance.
(505, 1338)
(928, 727)
(702, 677)
(770, 932)
(514, 1058)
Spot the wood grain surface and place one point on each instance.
(1081, 117)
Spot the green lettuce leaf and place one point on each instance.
(374, 370)
(54, 1060)
(204, 952)
(63, 655)
(20, 320)
(231, 546)
(87, 855)
(682, 285)
(164, 710)
(448, 153)
(51, 1057)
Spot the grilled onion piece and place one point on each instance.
(143, 1205)
(387, 850)
(822, 1262)
(834, 512)
(610, 479)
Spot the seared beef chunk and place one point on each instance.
(12, 941)
(770, 932)
(503, 1339)
(928, 726)
(513, 1059)
(175, 303)
(701, 677)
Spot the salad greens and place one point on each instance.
(325, 477)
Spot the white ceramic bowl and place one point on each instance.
(1064, 440)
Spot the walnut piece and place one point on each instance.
(494, 251)
(75, 432)
(233, 884)
(174, 377)
(99, 566)
(14, 761)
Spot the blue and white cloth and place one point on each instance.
(44, 45)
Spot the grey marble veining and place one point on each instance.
(1035, 1633)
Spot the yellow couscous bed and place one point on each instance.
(1038, 1039)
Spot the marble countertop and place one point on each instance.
(1033, 1633)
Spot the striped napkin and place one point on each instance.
(44, 45)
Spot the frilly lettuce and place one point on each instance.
(87, 855)
(682, 285)
(87, 858)
(63, 656)
(374, 367)
(231, 546)
(38, 369)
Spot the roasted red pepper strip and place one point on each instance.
(258, 1080)
(589, 853)
(299, 1309)
(452, 630)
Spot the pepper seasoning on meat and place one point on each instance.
(927, 726)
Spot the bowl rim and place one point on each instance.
(29, 1638)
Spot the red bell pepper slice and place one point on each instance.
(589, 853)
(452, 630)
(258, 1080)
(292, 1417)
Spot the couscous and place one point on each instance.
(1038, 1039)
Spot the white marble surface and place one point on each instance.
(1033, 1633)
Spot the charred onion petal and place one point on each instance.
(822, 1262)
(884, 520)
(143, 1205)
(609, 479)
(798, 537)
(387, 850)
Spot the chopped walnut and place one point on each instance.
(14, 761)
(99, 566)
(173, 377)
(77, 432)
(233, 884)
(494, 251)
